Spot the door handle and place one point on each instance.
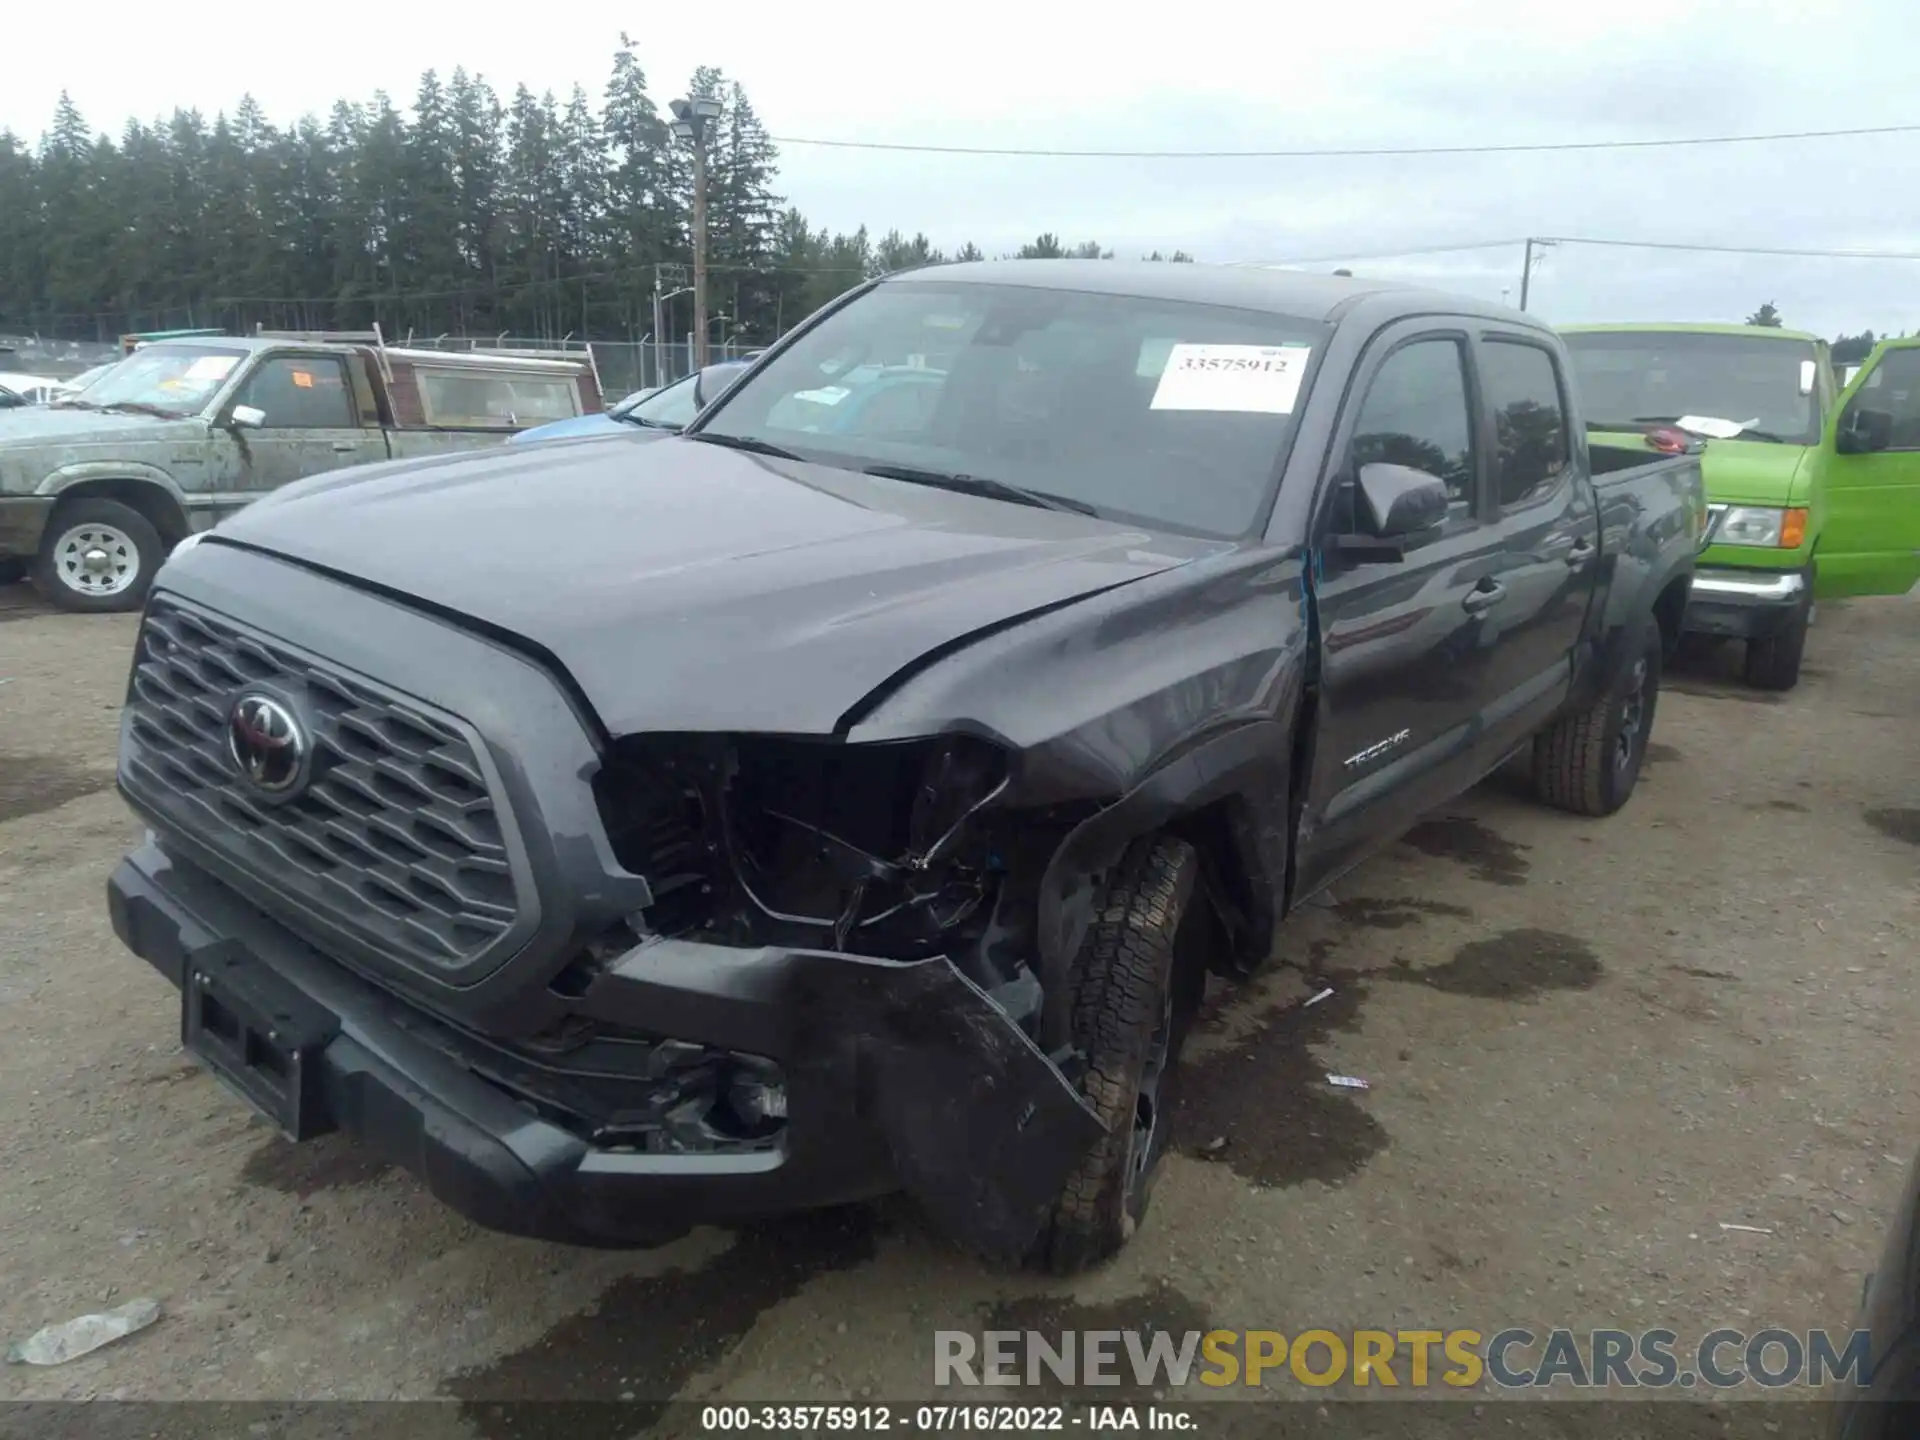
(345, 447)
(1484, 596)
(1581, 553)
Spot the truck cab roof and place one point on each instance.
(1267, 289)
(1683, 327)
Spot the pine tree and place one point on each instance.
(894, 252)
(458, 214)
(476, 119)
(429, 259)
(642, 219)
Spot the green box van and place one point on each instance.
(1813, 491)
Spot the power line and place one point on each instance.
(1354, 152)
(1386, 254)
(513, 287)
(1736, 249)
(1679, 245)
(496, 290)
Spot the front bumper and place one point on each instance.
(23, 521)
(1747, 604)
(898, 1075)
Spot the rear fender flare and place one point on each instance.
(1627, 618)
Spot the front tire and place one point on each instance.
(1589, 762)
(99, 556)
(1774, 663)
(1129, 1013)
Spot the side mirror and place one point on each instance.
(1398, 500)
(1392, 504)
(1863, 431)
(247, 417)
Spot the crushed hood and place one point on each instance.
(684, 586)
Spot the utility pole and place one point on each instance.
(1526, 266)
(690, 121)
(664, 274)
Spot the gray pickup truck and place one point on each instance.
(867, 807)
(96, 489)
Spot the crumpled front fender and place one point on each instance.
(983, 1128)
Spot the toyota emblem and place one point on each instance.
(266, 743)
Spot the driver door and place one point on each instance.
(1870, 541)
(313, 422)
(1407, 645)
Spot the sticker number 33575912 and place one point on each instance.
(1251, 379)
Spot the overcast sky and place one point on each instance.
(1198, 75)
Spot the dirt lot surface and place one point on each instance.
(1589, 1043)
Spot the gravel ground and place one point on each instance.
(1589, 1043)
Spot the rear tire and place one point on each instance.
(1589, 763)
(1127, 1023)
(98, 556)
(1774, 663)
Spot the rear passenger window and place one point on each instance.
(1416, 414)
(1530, 427)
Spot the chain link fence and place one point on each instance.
(57, 359)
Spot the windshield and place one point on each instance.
(1630, 377)
(87, 377)
(1153, 410)
(162, 380)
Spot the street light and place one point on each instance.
(690, 121)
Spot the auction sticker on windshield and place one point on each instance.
(211, 367)
(1250, 379)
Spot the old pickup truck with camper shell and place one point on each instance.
(871, 812)
(97, 487)
(1813, 489)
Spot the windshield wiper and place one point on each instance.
(1747, 432)
(632, 419)
(743, 442)
(980, 485)
(140, 407)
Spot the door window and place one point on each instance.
(1530, 424)
(299, 392)
(1416, 414)
(1894, 386)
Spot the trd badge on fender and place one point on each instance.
(266, 742)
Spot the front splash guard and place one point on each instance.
(983, 1128)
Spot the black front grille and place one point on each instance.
(395, 837)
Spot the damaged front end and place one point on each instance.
(877, 904)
